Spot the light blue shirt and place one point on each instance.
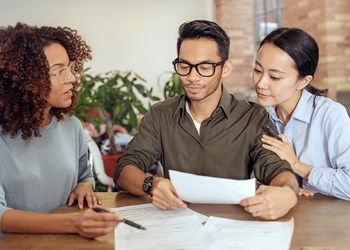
(319, 131)
(40, 173)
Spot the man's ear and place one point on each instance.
(303, 82)
(227, 68)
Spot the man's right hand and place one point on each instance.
(164, 194)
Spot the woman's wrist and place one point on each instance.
(302, 169)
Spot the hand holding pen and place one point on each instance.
(128, 222)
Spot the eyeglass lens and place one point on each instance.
(64, 72)
(204, 69)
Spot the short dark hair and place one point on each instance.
(301, 47)
(198, 29)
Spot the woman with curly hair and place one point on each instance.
(43, 150)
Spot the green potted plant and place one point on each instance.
(113, 100)
(172, 85)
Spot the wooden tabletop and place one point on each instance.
(320, 222)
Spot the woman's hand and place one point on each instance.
(305, 192)
(84, 191)
(91, 224)
(282, 148)
(285, 151)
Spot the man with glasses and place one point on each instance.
(206, 131)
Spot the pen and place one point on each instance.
(128, 222)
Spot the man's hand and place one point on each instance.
(164, 194)
(84, 191)
(270, 202)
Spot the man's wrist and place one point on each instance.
(294, 193)
(156, 181)
(149, 183)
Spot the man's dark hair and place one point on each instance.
(198, 29)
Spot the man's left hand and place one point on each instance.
(270, 202)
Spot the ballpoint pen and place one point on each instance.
(128, 222)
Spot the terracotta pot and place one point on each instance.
(109, 162)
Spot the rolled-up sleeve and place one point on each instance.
(144, 149)
(266, 163)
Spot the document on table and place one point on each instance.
(148, 211)
(185, 232)
(211, 190)
(182, 228)
(245, 235)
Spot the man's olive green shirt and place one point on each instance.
(228, 146)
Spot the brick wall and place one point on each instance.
(328, 21)
(236, 17)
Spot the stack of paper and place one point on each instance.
(183, 229)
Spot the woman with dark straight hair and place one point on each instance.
(314, 130)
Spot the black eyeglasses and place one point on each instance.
(205, 69)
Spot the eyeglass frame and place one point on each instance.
(70, 66)
(214, 65)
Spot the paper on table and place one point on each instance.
(148, 211)
(245, 235)
(211, 190)
(184, 232)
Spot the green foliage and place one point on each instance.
(119, 93)
(86, 101)
(172, 86)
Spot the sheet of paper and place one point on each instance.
(185, 232)
(148, 211)
(246, 235)
(211, 190)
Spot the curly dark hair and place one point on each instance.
(24, 75)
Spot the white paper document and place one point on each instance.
(183, 229)
(211, 190)
(139, 213)
(249, 235)
(185, 232)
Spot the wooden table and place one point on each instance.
(320, 222)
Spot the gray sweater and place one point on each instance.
(40, 173)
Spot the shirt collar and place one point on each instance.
(224, 104)
(181, 107)
(302, 112)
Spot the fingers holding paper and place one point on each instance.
(164, 194)
(269, 203)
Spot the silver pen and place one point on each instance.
(126, 221)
